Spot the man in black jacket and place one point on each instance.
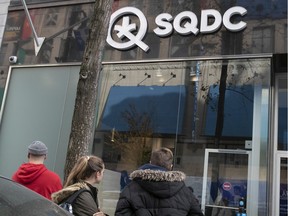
(155, 190)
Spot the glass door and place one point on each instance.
(280, 188)
(226, 182)
(281, 201)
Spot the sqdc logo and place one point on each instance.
(126, 29)
(166, 24)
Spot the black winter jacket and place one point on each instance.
(157, 193)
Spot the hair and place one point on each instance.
(84, 168)
(162, 157)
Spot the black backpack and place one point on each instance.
(67, 204)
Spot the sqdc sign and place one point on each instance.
(166, 23)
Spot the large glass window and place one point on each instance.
(187, 106)
(282, 116)
(283, 200)
(262, 39)
(280, 162)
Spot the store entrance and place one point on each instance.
(281, 179)
(225, 181)
(280, 169)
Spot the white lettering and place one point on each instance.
(205, 15)
(227, 17)
(126, 29)
(164, 28)
(184, 23)
(188, 26)
(14, 28)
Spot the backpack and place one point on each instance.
(67, 204)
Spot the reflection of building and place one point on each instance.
(217, 100)
(3, 15)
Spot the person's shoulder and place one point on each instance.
(51, 174)
(131, 188)
(187, 191)
(85, 195)
(85, 192)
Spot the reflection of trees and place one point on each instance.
(234, 75)
(132, 144)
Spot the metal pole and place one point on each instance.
(30, 22)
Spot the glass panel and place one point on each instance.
(283, 208)
(17, 2)
(262, 39)
(187, 106)
(71, 30)
(227, 183)
(282, 115)
(55, 87)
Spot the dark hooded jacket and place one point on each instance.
(86, 204)
(154, 191)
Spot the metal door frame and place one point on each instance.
(225, 151)
(276, 185)
(278, 154)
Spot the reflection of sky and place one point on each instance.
(164, 106)
(264, 8)
(238, 111)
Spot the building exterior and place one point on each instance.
(207, 79)
(3, 14)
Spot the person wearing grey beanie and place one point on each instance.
(37, 148)
(35, 175)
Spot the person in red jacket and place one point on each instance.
(35, 175)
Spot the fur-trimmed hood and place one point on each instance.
(159, 183)
(157, 175)
(61, 195)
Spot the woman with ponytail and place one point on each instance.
(87, 172)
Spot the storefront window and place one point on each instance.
(189, 107)
(17, 2)
(66, 29)
(283, 199)
(282, 113)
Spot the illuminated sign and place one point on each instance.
(166, 24)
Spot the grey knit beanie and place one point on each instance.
(37, 148)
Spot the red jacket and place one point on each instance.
(38, 178)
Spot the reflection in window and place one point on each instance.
(282, 115)
(154, 44)
(192, 116)
(45, 55)
(283, 187)
(136, 116)
(285, 36)
(262, 40)
(232, 43)
(179, 46)
(51, 17)
(155, 8)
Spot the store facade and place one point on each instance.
(207, 79)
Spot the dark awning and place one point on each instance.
(238, 111)
(163, 104)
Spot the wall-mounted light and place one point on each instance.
(147, 77)
(194, 77)
(172, 76)
(158, 73)
(123, 76)
(113, 135)
(234, 70)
